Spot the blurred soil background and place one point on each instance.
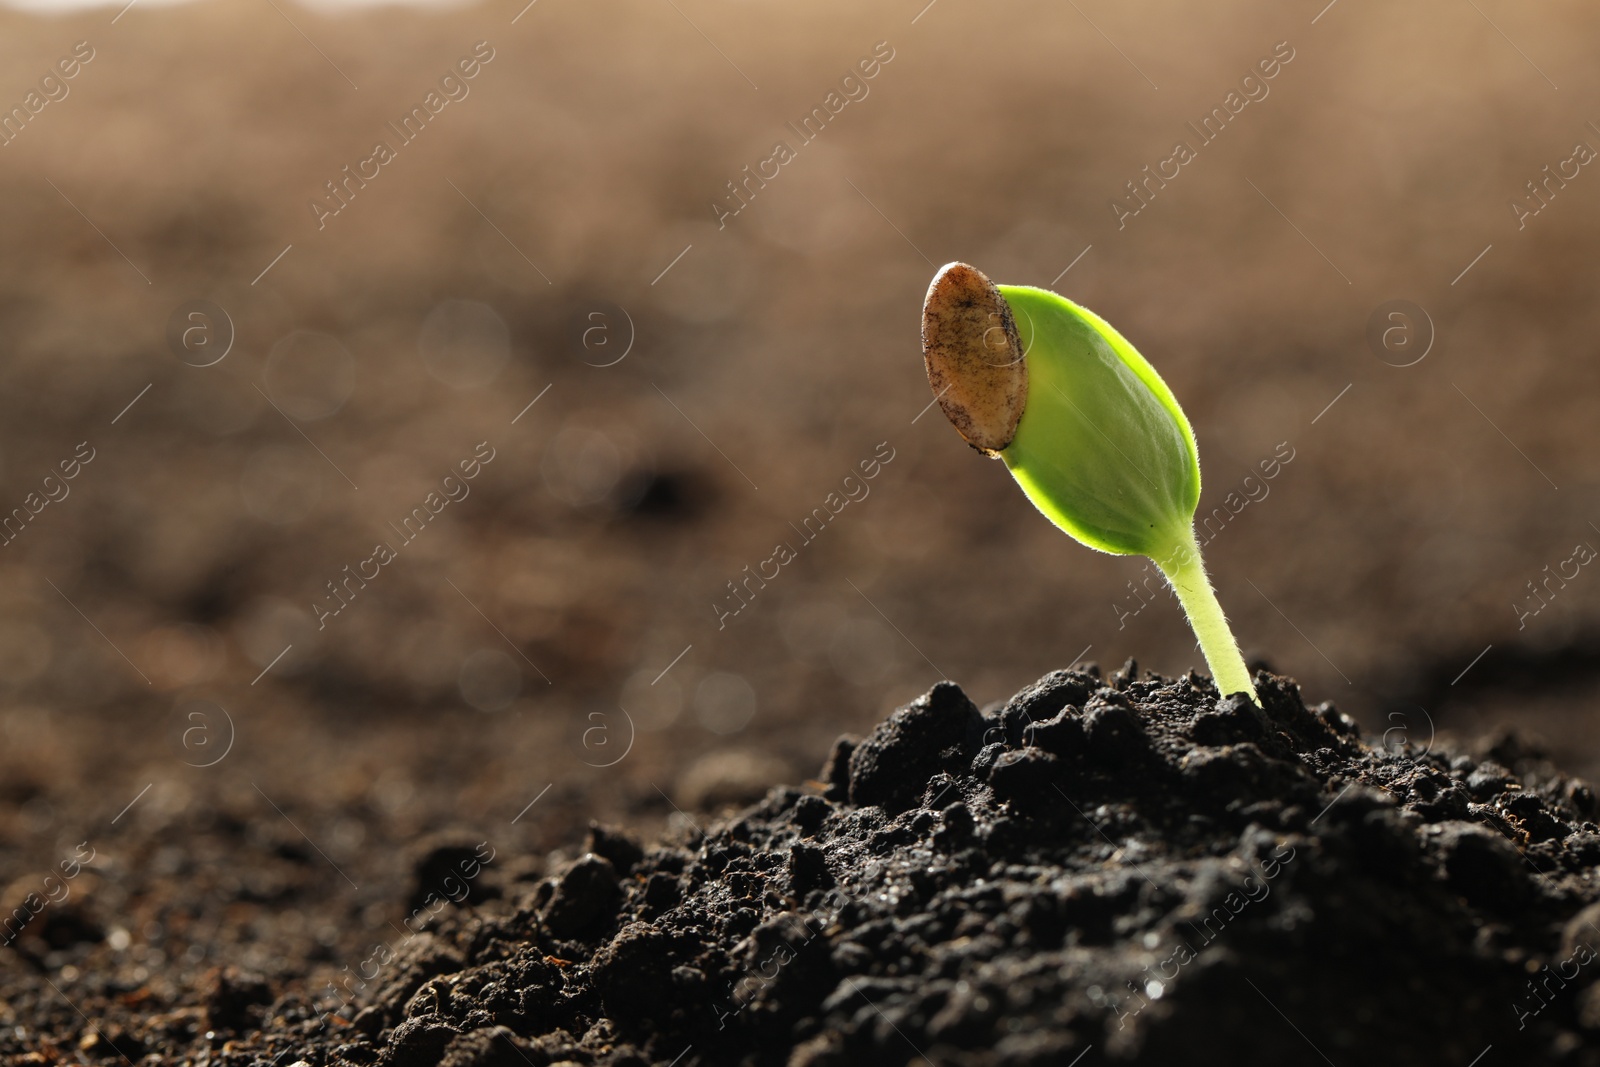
(259, 791)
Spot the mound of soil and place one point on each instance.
(1132, 871)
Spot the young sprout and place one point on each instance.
(1085, 425)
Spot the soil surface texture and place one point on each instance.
(1094, 871)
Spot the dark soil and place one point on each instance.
(1133, 872)
(222, 897)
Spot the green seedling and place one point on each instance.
(1085, 425)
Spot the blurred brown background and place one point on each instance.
(559, 214)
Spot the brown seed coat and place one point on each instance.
(974, 357)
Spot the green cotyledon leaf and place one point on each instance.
(1085, 425)
(1102, 448)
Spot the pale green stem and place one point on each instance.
(1187, 573)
